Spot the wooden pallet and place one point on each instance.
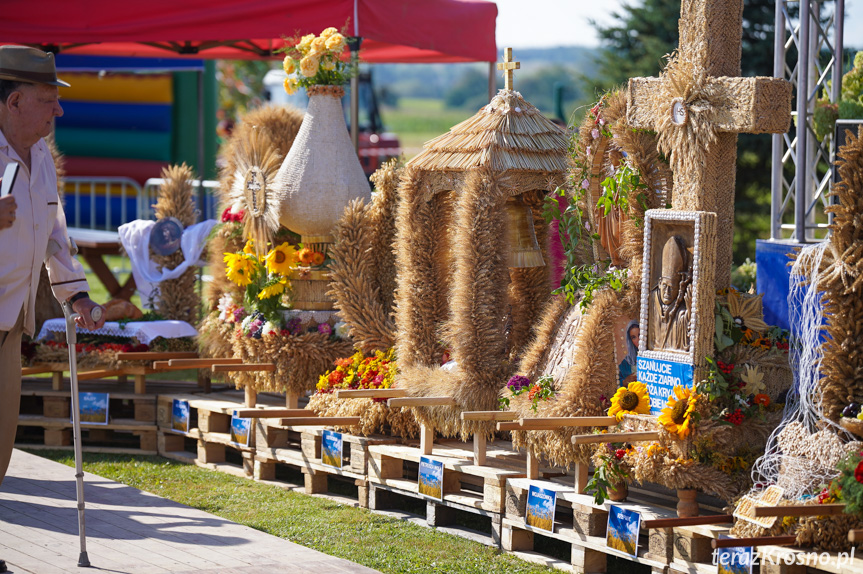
(57, 433)
(209, 428)
(300, 447)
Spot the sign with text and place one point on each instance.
(539, 511)
(93, 408)
(180, 416)
(623, 529)
(431, 478)
(661, 377)
(331, 449)
(241, 429)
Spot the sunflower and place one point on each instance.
(239, 269)
(747, 311)
(678, 414)
(281, 259)
(249, 248)
(274, 289)
(632, 399)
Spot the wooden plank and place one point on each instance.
(166, 366)
(800, 510)
(273, 413)
(246, 367)
(156, 355)
(27, 371)
(692, 521)
(99, 374)
(855, 536)
(202, 363)
(489, 415)
(321, 421)
(567, 422)
(615, 437)
(756, 541)
(421, 402)
(370, 393)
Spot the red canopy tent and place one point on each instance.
(392, 30)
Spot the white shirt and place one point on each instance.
(39, 217)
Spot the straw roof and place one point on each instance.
(509, 134)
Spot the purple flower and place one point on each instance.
(239, 314)
(517, 382)
(594, 133)
(325, 329)
(293, 326)
(585, 183)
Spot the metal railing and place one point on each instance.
(91, 200)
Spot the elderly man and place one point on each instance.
(32, 222)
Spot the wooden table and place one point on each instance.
(93, 246)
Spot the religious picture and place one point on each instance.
(626, 338)
(166, 235)
(671, 299)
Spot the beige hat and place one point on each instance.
(26, 64)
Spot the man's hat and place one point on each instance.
(25, 64)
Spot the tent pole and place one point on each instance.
(492, 80)
(354, 46)
(201, 195)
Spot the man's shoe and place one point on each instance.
(3, 566)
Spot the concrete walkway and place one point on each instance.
(130, 531)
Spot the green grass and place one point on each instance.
(418, 120)
(356, 534)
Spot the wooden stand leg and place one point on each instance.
(426, 439)
(532, 466)
(204, 380)
(292, 400)
(251, 397)
(580, 478)
(515, 539)
(140, 384)
(265, 470)
(57, 381)
(479, 449)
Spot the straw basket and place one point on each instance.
(321, 173)
(309, 290)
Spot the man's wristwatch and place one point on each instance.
(77, 296)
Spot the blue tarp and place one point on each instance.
(772, 279)
(75, 63)
(115, 116)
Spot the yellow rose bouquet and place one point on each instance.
(316, 61)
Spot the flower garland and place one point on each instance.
(377, 371)
(542, 390)
(316, 61)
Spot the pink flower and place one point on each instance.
(585, 184)
(589, 151)
(594, 133)
(325, 329)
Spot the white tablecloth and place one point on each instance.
(143, 331)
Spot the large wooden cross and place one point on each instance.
(508, 65)
(699, 104)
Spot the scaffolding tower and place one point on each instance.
(800, 179)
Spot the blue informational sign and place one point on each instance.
(180, 416)
(93, 408)
(241, 430)
(431, 478)
(661, 377)
(539, 511)
(735, 560)
(331, 448)
(623, 529)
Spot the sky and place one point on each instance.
(549, 23)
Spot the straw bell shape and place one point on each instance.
(321, 174)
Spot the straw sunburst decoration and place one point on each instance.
(254, 187)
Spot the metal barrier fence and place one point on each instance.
(108, 202)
